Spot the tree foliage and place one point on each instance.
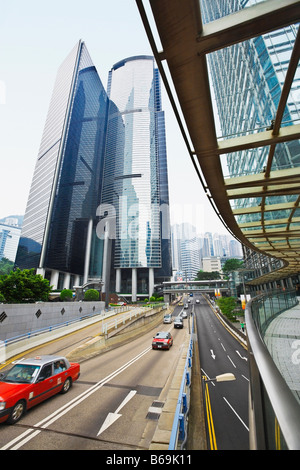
(206, 275)
(24, 286)
(226, 305)
(232, 265)
(6, 266)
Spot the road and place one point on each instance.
(114, 405)
(220, 353)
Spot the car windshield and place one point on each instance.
(21, 373)
(178, 319)
(161, 335)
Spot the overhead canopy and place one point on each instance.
(186, 42)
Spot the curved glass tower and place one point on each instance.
(135, 184)
(57, 234)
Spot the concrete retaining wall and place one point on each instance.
(19, 319)
(122, 335)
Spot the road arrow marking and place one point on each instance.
(112, 417)
(212, 354)
(242, 357)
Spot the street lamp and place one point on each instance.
(221, 378)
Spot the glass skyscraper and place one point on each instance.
(135, 185)
(247, 80)
(102, 157)
(58, 232)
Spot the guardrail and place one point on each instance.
(114, 324)
(274, 410)
(179, 429)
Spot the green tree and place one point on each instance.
(206, 275)
(231, 265)
(24, 286)
(6, 266)
(227, 305)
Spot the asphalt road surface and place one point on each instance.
(221, 353)
(112, 405)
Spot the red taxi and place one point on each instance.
(31, 381)
(162, 340)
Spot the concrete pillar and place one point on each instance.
(54, 279)
(151, 282)
(41, 271)
(67, 281)
(118, 280)
(134, 284)
(88, 251)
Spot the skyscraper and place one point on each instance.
(58, 231)
(248, 79)
(135, 185)
(101, 159)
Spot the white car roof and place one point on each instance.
(42, 360)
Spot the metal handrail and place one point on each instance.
(178, 428)
(283, 402)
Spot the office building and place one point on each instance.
(135, 187)
(9, 239)
(59, 228)
(101, 159)
(247, 80)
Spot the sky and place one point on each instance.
(35, 38)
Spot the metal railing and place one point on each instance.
(273, 409)
(179, 429)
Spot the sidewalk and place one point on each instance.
(282, 339)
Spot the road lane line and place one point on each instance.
(236, 414)
(211, 429)
(68, 406)
(231, 361)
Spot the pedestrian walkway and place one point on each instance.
(282, 339)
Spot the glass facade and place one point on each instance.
(66, 185)
(135, 185)
(100, 156)
(247, 80)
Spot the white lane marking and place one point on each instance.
(244, 377)
(212, 354)
(242, 357)
(67, 407)
(236, 414)
(112, 417)
(231, 361)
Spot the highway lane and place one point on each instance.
(108, 407)
(219, 353)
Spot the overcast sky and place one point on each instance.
(35, 38)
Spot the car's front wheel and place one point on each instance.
(17, 412)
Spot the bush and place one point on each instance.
(66, 295)
(91, 294)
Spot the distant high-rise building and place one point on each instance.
(58, 233)
(135, 186)
(9, 239)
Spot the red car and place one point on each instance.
(162, 340)
(32, 381)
